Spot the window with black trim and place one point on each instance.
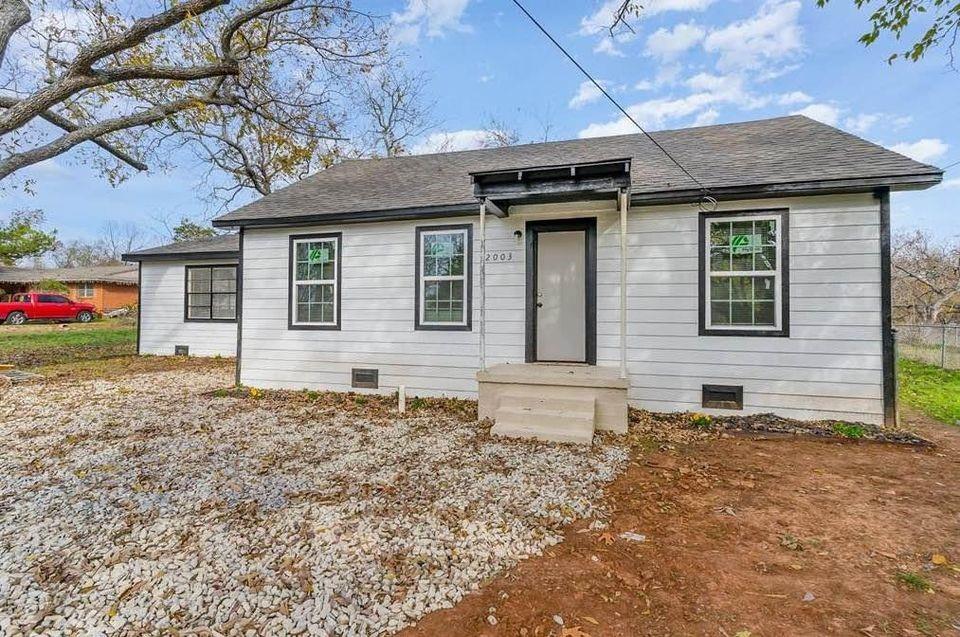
(743, 287)
(443, 274)
(315, 281)
(211, 293)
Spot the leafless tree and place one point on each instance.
(397, 111)
(120, 237)
(497, 134)
(253, 88)
(926, 278)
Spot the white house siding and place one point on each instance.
(829, 367)
(161, 314)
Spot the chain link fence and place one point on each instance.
(932, 344)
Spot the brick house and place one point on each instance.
(107, 287)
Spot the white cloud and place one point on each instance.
(706, 118)
(466, 139)
(951, 183)
(586, 93)
(794, 97)
(607, 47)
(861, 123)
(435, 17)
(601, 19)
(773, 34)
(485, 78)
(668, 44)
(708, 91)
(926, 150)
(826, 113)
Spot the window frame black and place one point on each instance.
(291, 263)
(186, 292)
(468, 279)
(783, 229)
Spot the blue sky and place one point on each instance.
(690, 62)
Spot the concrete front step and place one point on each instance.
(553, 420)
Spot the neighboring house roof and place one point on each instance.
(784, 155)
(120, 274)
(225, 246)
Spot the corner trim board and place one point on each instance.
(886, 312)
(239, 312)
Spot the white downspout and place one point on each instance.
(624, 208)
(483, 283)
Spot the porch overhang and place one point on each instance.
(551, 184)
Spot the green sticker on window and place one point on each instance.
(318, 255)
(745, 243)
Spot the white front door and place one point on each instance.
(561, 296)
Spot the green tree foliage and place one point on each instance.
(941, 24)
(187, 230)
(21, 236)
(49, 285)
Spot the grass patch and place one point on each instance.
(932, 390)
(38, 345)
(913, 581)
(847, 430)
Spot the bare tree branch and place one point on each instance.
(65, 124)
(13, 15)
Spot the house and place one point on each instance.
(189, 297)
(107, 287)
(560, 282)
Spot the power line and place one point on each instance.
(608, 96)
(950, 165)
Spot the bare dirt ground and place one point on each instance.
(748, 536)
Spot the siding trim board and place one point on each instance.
(290, 294)
(468, 295)
(139, 303)
(783, 230)
(239, 312)
(886, 312)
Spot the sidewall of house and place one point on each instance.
(162, 324)
(829, 367)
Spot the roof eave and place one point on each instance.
(182, 256)
(793, 189)
(755, 191)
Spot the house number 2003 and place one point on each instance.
(499, 256)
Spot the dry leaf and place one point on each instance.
(590, 619)
(607, 538)
(574, 631)
(939, 559)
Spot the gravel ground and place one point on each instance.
(143, 505)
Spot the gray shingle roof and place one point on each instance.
(221, 246)
(121, 274)
(764, 153)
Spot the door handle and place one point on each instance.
(539, 304)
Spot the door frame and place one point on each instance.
(533, 229)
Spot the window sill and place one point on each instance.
(712, 331)
(293, 326)
(196, 320)
(443, 328)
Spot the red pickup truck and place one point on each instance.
(44, 307)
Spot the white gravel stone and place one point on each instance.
(144, 506)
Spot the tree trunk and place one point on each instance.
(13, 15)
